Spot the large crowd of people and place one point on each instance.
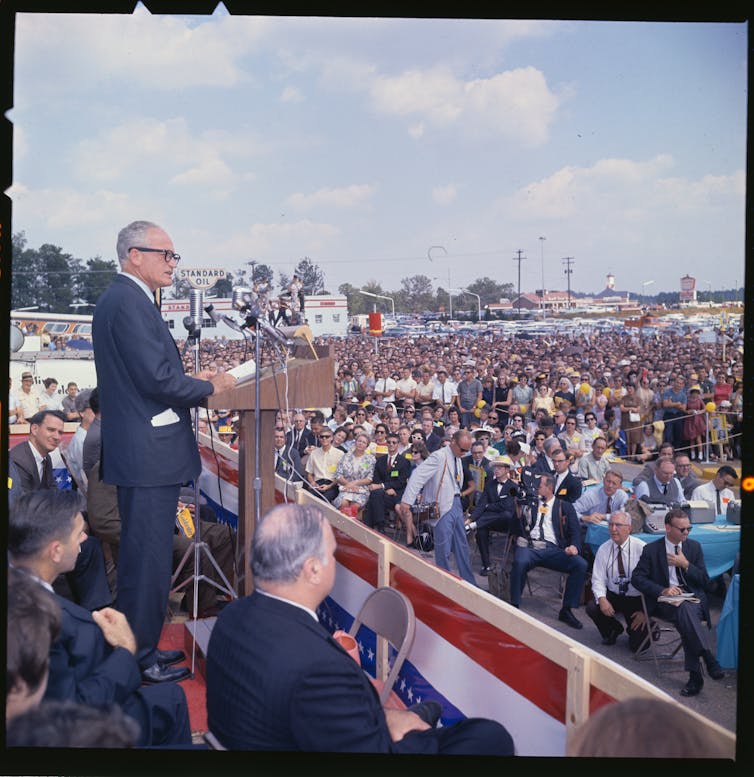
(453, 428)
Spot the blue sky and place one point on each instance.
(362, 143)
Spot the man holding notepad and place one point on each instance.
(670, 569)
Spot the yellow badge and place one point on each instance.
(562, 492)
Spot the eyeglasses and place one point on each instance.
(325, 436)
(168, 256)
(684, 529)
(380, 431)
(409, 410)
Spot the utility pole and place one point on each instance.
(568, 261)
(518, 259)
(542, 257)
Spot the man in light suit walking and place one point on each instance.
(148, 444)
(440, 479)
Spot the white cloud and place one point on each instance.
(291, 95)
(343, 197)
(144, 145)
(276, 241)
(416, 131)
(444, 195)
(517, 104)
(160, 51)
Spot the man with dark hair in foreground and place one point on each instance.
(276, 678)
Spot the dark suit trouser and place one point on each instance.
(88, 581)
(551, 557)
(145, 562)
(472, 736)
(162, 713)
(695, 637)
(377, 506)
(491, 520)
(624, 605)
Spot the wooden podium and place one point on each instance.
(309, 383)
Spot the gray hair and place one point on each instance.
(133, 235)
(37, 518)
(287, 535)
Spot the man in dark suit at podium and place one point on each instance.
(148, 445)
(388, 484)
(278, 681)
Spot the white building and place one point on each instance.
(324, 314)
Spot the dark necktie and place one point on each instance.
(665, 488)
(719, 506)
(609, 505)
(678, 571)
(499, 489)
(621, 568)
(48, 479)
(541, 520)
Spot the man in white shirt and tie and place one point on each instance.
(612, 591)
(717, 491)
(596, 504)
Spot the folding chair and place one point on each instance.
(662, 642)
(390, 615)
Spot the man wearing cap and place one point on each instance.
(28, 399)
(495, 509)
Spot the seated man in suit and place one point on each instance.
(33, 620)
(612, 591)
(94, 659)
(567, 485)
(301, 437)
(86, 582)
(476, 472)
(276, 678)
(388, 484)
(670, 566)
(552, 540)
(287, 457)
(495, 509)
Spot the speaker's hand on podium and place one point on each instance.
(221, 381)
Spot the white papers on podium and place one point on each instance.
(244, 371)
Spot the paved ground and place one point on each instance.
(718, 699)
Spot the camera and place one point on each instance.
(622, 583)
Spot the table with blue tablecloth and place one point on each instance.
(720, 542)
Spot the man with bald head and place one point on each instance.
(277, 680)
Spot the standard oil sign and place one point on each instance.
(201, 277)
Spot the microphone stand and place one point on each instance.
(198, 546)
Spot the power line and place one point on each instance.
(568, 261)
(518, 259)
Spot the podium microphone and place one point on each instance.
(217, 318)
(196, 299)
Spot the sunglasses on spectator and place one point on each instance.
(325, 436)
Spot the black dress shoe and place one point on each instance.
(157, 673)
(568, 617)
(714, 670)
(694, 685)
(484, 571)
(429, 711)
(612, 637)
(170, 657)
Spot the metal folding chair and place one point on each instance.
(390, 615)
(662, 642)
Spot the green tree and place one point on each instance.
(489, 290)
(415, 294)
(45, 277)
(95, 279)
(311, 275)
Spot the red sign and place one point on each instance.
(375, 324)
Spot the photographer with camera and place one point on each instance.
(614, 562)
